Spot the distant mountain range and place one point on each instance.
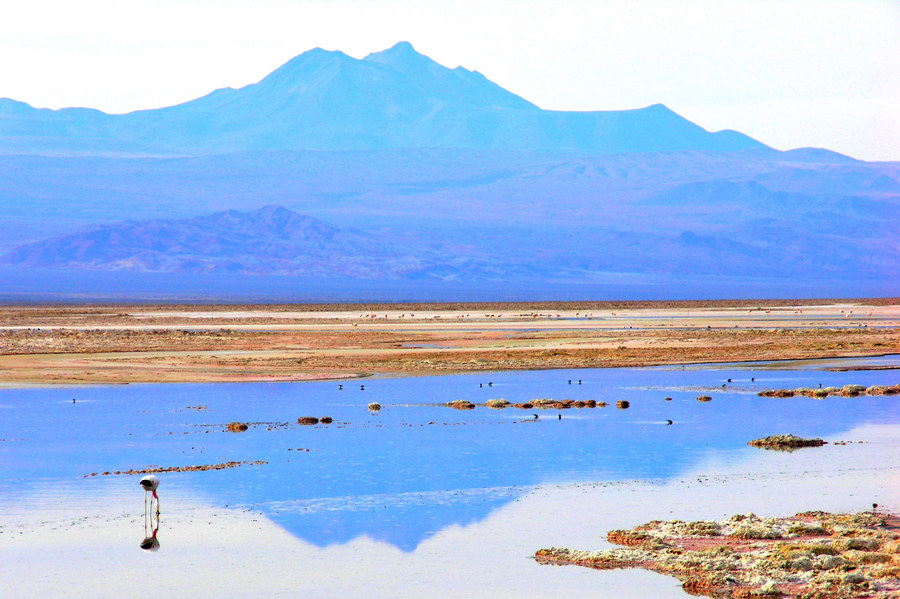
(325, 100)
(396, 170)
(269, 241)
(707, 228)
(265, 241)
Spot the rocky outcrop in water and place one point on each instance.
(158, 470)
(785, 442)
(823, 392)
(461, 404)
(813, 555)
(540, 403)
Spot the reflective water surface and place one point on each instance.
(417, 499)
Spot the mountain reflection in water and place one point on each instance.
(416, 467)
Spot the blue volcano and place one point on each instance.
(323, 100)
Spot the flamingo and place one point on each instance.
(149, 484)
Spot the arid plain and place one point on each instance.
(110, 344)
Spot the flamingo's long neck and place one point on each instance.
(155, 496)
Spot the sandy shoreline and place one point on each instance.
(113, 344)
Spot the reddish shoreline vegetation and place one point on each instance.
(159, 469)
(812, 555)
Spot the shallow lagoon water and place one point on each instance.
(417, 499)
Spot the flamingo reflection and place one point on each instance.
(151, 513)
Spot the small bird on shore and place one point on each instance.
(874, 507)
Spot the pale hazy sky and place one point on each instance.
(790, 73)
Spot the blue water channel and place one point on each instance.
(404, 473)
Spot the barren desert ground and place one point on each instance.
(110, 344)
